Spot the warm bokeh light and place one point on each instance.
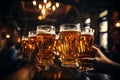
(40, 6)
(43, 11)
(45, 1)
(7, 36)
(45, 7)
(34, 3)
(117, 24)
(53, 8)
(104, 13)
(87, 21)
(57, 53)
(19, 40)
(18, 28)
(40, 17)
(48, 5)
(57, 4)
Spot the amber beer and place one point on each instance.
(32, 41)
(68, 42)
(25, 48)
(86, 42)
(45, 43)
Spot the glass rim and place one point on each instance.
(31, 34)
(89, 29)
(70, 30)
(70, 24)
(91, 32)
(24, 38)
(43, 31)
(45, 25)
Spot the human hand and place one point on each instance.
(100, 61)
(99, 56)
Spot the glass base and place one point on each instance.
(84, 67)
(73, 65)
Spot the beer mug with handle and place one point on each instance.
(25, 48)
(86, 42)
(68, 43)
(32, 42)
(45, 43)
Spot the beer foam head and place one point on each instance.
(44, 32)
(32, 35)
(70, 30)
(69, 27)
(45, 29)
(87, 33)
(24, 38)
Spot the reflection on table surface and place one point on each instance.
(25, 73)
(55, 72)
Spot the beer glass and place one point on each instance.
(45, 43)
(86, 42)
(32, 42)
(67, 45)
(25, 48)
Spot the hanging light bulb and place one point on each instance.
(88, 20)
(19, 40)
(43, 11)
(7, 36)
(45, 1)
(48, 5)
(53, 8)
(40, 6)
(34, 3)
(57, 4)
(40, 17)
(117, 24)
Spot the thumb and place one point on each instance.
(96, 50)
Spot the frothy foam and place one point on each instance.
(87, 33)
(34, 35)
(24, 39)
(70, 30)
(44, 32)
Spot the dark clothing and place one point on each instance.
(115, 56)
(9, 62)
(115, 53)
(7, 57)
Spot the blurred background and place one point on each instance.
(17, 17)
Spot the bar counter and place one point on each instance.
(56, 72)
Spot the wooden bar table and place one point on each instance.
(56, 72)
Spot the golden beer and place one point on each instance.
(25, 48)
(67, 46)
(45, 43)
(86, 42)
(45, 35)
(32, 43)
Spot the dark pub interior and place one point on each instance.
(59, 40)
